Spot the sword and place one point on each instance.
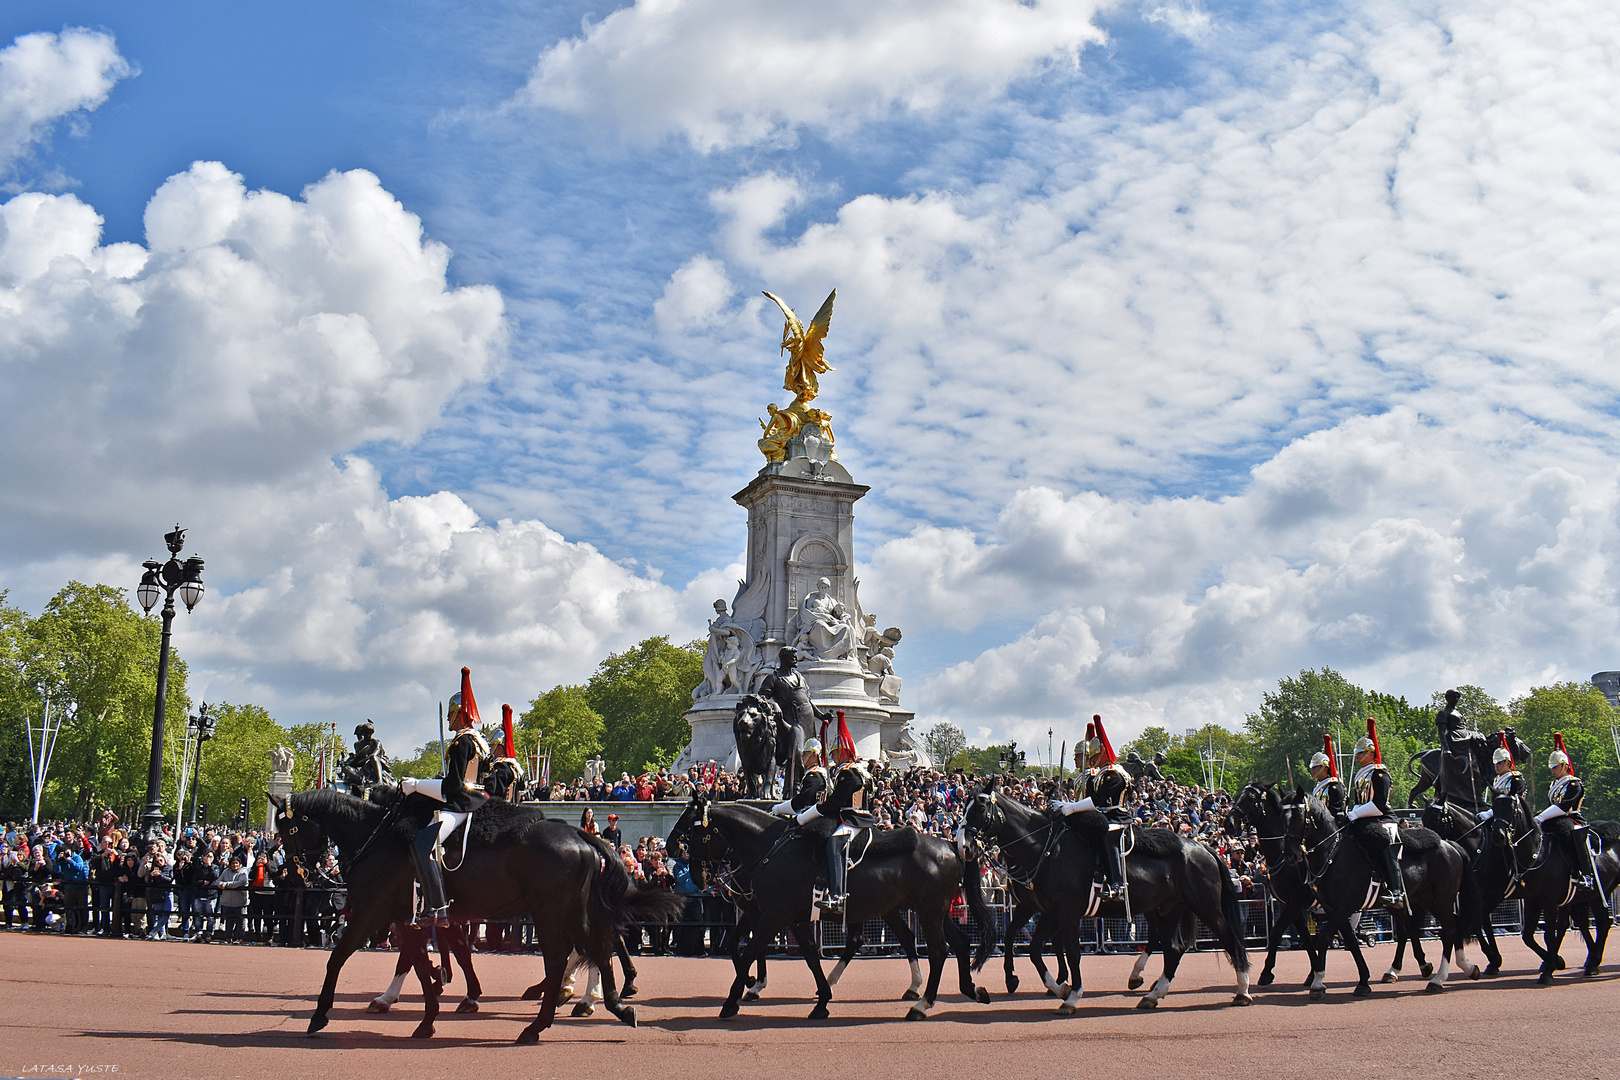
(441, 738)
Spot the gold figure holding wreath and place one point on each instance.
(805, 361)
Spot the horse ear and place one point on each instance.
(278, 801)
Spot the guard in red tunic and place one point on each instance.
(465, 760)
(1370, 820)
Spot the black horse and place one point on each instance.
(1434, 870)
(775, 866)
(1171, 881)
(1026, 910)
(413, 948)
(1259, 805)
(516, 863)
(1546, 885)
(763, 743)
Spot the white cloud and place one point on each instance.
(45, 77)
(724, 72)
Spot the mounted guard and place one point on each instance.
(505, 777)
(1329, 789)
(459, 789)
(1370, 820)
(812, 788)
(842, 800)
(1562, 820)
(1106, 785)
(1508, 804)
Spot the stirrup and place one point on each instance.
(433, 917)
(1113, 890)
(832, 903)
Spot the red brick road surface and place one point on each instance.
(136, 1009)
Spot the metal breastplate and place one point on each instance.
(1323, 787)
(1503, 785)
(1364, 781)
(1558, 790)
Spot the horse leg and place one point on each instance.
(908, 943)
(1172, 945)
(1393, 972)
(1274, 937)
(556, 952)
(1487, 945)
(360, 930)
(852, 945)
(958, 942)
(1057, 985)
(804, 932)
(1364, 976)
(385, 1000)
(602, 957)
(586, 1005)
(1527, 934)
(622, 951)
(1557, 922)
(1066, 944)
(748, 949)
(461, 949)
(1594, 954)
(1016, 922)
(1414, 933)
(934, 936)
(427, 973)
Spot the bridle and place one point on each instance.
(995, 819)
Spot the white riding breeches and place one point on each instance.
(448, 821)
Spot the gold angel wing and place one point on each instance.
(793, 331)
(818, 330)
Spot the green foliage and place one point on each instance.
(1581, 712)
(562, 721)
(306, 742)
(1289, 725)
(425, 764)
(946, 743)
(1183, 762)
(641, 695)
(236, 761)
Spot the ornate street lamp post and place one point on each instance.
(165, 579)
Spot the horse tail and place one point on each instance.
(1471, 913)
(989, 926)
(615, 897)
(1232, 915)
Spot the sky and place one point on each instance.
(1183, 344)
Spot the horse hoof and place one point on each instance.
(564, 996)
(1318, 993)
(916, 1012)
(315, 1024)
(628, 1016)
(584, 1008)
(1148, 1003)
(1545, 979)
(981, 995)
(1242, 999)
(820, 1011)
(1134, 982)
(910, 995)
(1492, 971)
(630, 990)
(526, 1037)
(1475, 972)
(378, 1005)
(1426, 969)
(1433, 987)
(533, 993)
(1012, 984)
(1066, 1009)
(1558, 963)
(749, 995)
(424, 1030)
(1361, 990)
(1388, 976)
(468, 1005)
(1266, 979)
(1062, 990)
(728, 1010)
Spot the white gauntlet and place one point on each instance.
(785, 808)
(1366, 809)
(808, 814)
(1551, 812)
(1076, 807)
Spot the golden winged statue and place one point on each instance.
(805, 361)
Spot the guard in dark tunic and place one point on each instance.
(1370, 820)
(1329, 789)
(1562, 823)
(1507, 800)
(812, 787)
(465, 760)
(1106, 786)
(842, 800)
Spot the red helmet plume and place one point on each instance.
(464, 702)
(1372, 733)
(506, 728)
(845, 750)
(1106, 755)
(1329, 749)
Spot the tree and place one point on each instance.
(425, 764)
(1583, 714)
(306, 742)
(236, 761)
(562, 721)
(945, 742)
(16, 702)
(96, 658)
(1485, 712)
(641, 695)
(1289, 725)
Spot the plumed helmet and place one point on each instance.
(811, 746)
(1502, 754)
(1319, 760)
(1557, 758)
(1364, 745)
(1094, 745)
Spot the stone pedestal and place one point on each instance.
(281, 786)
(801, 529)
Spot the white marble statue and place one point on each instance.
(909, 751)
(822, 628)
(281, 761)
(594, 769)
(731, 663)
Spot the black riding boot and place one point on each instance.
(837, 852)
(434, 905)
(1395, 891)
(1113, 866)
(1588, 865)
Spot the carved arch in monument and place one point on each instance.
(815, 555)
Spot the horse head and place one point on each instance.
(301, 834)
(1294, 810)
(984, 818)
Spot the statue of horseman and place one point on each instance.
(466, 760)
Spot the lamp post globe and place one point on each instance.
(162, 581)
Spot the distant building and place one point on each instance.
(1609, 683)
